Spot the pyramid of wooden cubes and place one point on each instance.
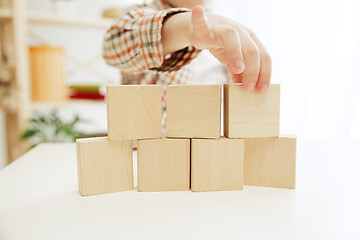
(193, 155)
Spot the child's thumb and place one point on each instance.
(199, 21)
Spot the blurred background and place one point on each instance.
(314, 46)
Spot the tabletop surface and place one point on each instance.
(39, 200)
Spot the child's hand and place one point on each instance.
(233, 45)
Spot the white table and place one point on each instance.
(39, 200)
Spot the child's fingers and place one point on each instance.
(252, 61)
(237, 78)
(232, 46)
(265, 66)
(199, 21)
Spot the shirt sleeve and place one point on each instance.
(133, 42)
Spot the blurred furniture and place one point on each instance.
(40, 200)
(47, 73)
(15, 98)
(113, 12)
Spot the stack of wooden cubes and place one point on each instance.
(193, 155)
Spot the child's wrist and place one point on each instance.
(187, 27)
(176, 32)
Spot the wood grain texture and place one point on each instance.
(163, 165)
(217, 164)
(270, 162)
(134, 112)
(193, 111)
(248, 114)
(104, 166)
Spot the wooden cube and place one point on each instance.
(193, 111)
(249, 114)
(270, 162)
(217, 164)
(104, 166)
(163, 164)
(134, 112)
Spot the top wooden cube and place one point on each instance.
(193, 111)
(248, 114)
(134, 112)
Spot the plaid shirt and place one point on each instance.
(133, 44)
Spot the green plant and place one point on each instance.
(51, 128)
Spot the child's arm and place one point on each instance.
(134, 42)
(141, 38)
(231, 43)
